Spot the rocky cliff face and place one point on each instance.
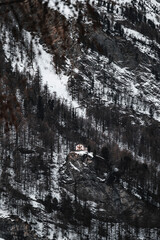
(104, 187)
(16, 229)
(88, 72)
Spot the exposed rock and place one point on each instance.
(17, 230)
(78, 175)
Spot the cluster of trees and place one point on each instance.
(75, 213)
(46, 120)
(146, 27)
(38, 119)
(134, 15)
(141, 140)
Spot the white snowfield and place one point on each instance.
(43, 61)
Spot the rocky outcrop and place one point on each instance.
(16, 229)
(79, 177)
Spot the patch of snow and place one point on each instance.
(32, 196)
(101, 179)
(143, 43)
(72, 165)
(90, 154)
(123, 1)
(63, 8)
(137, 195)
(116, 169)
(152, 9)
(76, 70)
(4, 213)
(84, 152)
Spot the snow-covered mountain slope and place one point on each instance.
(122, 55)
(42, 62)
(134, 81)
(69, 9)
(79, 72)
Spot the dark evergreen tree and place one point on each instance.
(105, 153)
(40, 108)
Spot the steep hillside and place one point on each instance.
(79, 72)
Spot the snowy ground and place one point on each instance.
(42, 61)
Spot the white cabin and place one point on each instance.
(80, 147)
